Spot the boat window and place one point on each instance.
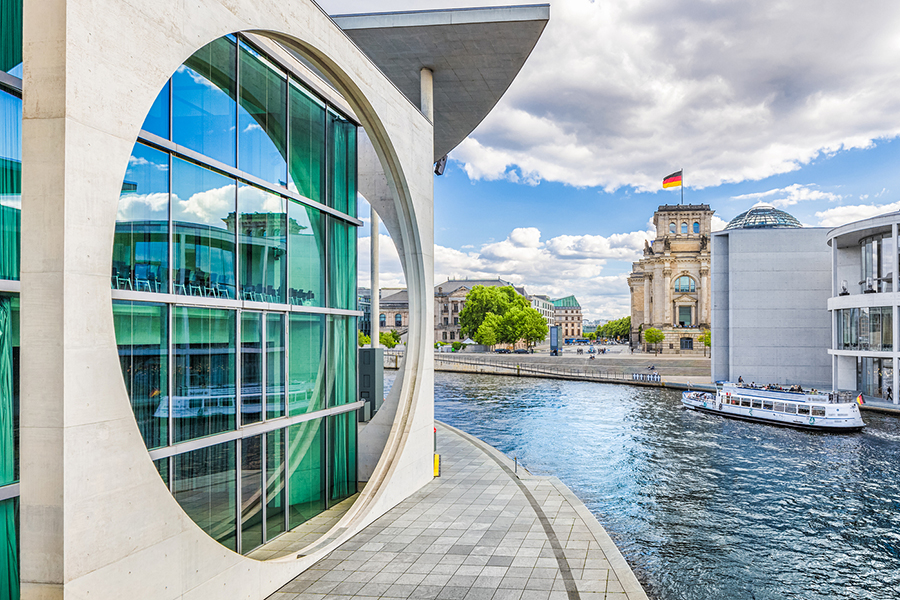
(757, 404)
(818, 411)
(745, 402)
(767, 404)
(779, 406)
(802, 410)
(790, 408)
(735, 401)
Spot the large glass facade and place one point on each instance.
(877, 257)
(868, 328)
(234, 286)
(10, 244)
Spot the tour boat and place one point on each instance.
(821, 411)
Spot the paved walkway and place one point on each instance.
(477, 532)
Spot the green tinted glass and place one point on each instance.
(306, 470)
(306, 368)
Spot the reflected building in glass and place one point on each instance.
(863, 301)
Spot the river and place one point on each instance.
(703, 507)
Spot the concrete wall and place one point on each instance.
(96, 520)
(770, 318)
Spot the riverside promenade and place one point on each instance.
(480, 531)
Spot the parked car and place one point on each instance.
(520, 351)
(502, 350)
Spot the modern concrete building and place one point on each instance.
(178, 301)
(670, 284)
(863, 298)
(567, 314)
(770, 282)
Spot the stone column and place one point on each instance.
(704, 316)
(667, 296)
(374, 284)
(426, 89)
(648, 288)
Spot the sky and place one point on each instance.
(793, 103)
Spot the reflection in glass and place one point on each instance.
(204, 110)
(9, 389)
(342, 436)
(251, 367)
(307, 156)
(11, 37)
(306, 248)
(342, 264)
(263, 245)
(141, 242)
(162, 467)
(262, 118)
(306, 470)
(10, 184)
(142, 335)
(203, 211)
(9, 550)
(205, 487)
(306, 369)
(342, 340)
(275, 516)
(157, 121)
(204, 399)
(887, 328)
(251, 493)
(274, 365)
(342, 194)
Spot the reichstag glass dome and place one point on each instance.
(764, 216)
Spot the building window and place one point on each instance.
(696, 227)
(671, 227)
(685, 284)
(254, 236)
(445, 336)
(684, 316)
(398, 320)
(684, 228)
(382, 320)
(687, 343)
(452, 335)
(456, 320)
(446, 321)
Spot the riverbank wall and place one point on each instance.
(674, 373)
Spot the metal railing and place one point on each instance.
(512, 368)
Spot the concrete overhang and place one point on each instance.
(852, 233)
(475, 53)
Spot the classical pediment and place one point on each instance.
(685, 298)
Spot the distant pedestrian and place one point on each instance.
(740, 379)
(889, 397)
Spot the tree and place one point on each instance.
(389, 339)
(706, 338)
(652, 335)
(591, 336)
(363, 339)
(482, 300)
(534, 327)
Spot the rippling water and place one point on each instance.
(703, 507)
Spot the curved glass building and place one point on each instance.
(234, 287)
(764, 216)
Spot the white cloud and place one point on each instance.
(209, 207)
(790, 195)
(729, 91)
(390, 272)
(841, 215)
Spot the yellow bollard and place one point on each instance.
(437, 465)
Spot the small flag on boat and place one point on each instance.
(859, 400)
(673, 180)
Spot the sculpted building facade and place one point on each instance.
(670, 284)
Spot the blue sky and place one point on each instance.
(793, 104)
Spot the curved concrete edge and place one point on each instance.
(96, 518)
(624, 574)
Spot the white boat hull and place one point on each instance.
(786, 409)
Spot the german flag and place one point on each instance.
(859, 400)
(673, 180)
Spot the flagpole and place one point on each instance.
(682, 187)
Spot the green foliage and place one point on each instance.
(498, 315)
(363, 339)
(591, 336)
(619, 328)
(457, 346)
(706, 338)
(389, 339)
(652, 335)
